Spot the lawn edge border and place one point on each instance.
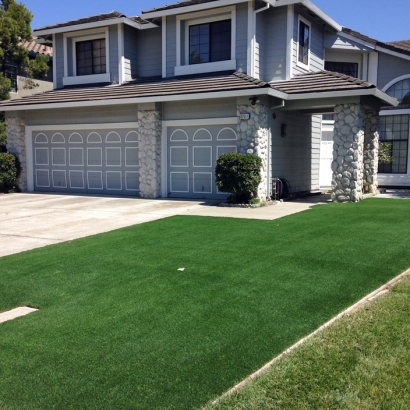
(371, 296)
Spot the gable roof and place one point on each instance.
(401, 47)
(177, 5)
(323, 84)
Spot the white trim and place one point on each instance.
(405, 111)
(373, 67)
(52, 157)
(55, 62)
(187, 138)
(170, 181)
(48, 156)
(125, 155)
(209, 147)
(250, 66)
(290, 22)
(193, 182)
(187, 156)
(75, 142)
(106, 180)
(106, 156)
(309, 24)
(394, 81)
(86, 26)
(126, 184)
(205, 67)
(48, 177)
(57, 142)
(88, 181)
(94, 142)
(189, 9)
(87, 79)
(365, 68)
(121, 54)
(29, 143)
(113, 142)
(88, 158)
(69, 157)
(164, 46)
(85, 127)
(202, 129)
(82, 176)
(131, 141)
(65, 178)
(41, 142)
(65, 56)
(223, 139)
(182, 66)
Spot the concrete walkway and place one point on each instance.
(30, 220)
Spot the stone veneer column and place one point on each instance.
(371, 151)
(16, 144)
(347, 165)
(150, 128)
(253, 139)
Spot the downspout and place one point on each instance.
(268, 4)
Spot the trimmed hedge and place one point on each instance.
(9, 171)
(239, 175)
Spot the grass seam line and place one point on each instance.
(371, 296)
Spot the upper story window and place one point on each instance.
(90, 57)
(351, 69)
(210, 42)
(206, 41)
(86, 57)
(304, 42)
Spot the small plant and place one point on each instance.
(385, 151)
(254, 201)
(239, 175)
(9, 172)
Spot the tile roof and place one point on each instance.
(32, 46)
(314, 83)
(92, 19)
(144, 88)
(402, 47)
(321, 81)
(177, 5)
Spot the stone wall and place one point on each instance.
(150, 128)
(16, 144)
(347, 165)
(253, 139)
(370, 152)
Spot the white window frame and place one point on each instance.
(308, 23)
(182, 66)
(76, 37)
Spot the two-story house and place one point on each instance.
(144, 105)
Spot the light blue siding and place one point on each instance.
(113, 51)
(241, 50)
(391, 67)
(171, 46)
(273, 47)
(316, 45)
(59, 59)
(130, 52)
(149, 52)
(292, 155)
(84, 115)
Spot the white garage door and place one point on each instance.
(192, 155)
(84, 161)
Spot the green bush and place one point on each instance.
(9, 171)
(239, 175)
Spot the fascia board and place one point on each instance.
(334, 94)
(141, 100)
(189, 9)
(77, 27)
(393, 53)
(322, 15)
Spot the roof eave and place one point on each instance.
(189, 9)
(96, 24)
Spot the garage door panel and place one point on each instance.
(192, 155)
(87, 161)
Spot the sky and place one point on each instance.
(384, 20)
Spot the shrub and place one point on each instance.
(239, 175)
(9, 171)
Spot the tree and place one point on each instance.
(15, 29)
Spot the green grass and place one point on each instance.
(360, 362)
(120, 328)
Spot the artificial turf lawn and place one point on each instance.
(119, 327)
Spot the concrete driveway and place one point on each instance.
(30, 220)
